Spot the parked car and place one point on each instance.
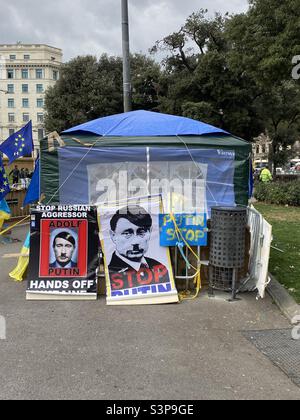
(295, 169)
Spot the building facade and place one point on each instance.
(26, 71)
(262, 145)
(296, 149)
(261, 148)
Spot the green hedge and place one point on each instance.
(281, 193)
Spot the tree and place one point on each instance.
(200, 81)
(146, 88)
(263, 42)
(90, 89)
(280, 109)
(87, 89)
(235, 72)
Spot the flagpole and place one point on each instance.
(126, 58)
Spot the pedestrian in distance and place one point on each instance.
(265, 175)
(22, 179)
(15, 175)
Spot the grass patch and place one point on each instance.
(286, 236)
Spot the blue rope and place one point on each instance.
(180, 246)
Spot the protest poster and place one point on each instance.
(138, 270)
(189, 229)
(64, 253)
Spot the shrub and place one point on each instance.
(281, 193)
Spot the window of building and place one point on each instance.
(41, 133)
(10, 89)
(25, 89)
(11, 103)
(40, 103)
(264, 149)
(11, 117)
(55, 75)
(26, 57)
(39, 73)
(12, 57)
(39, 88)
(25, 73)
(40, 117)
(257, 150)
(25, 103)
(10, 74)
(11, 131)
(26, 117)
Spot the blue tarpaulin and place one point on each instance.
(81, 174)
(143, 124)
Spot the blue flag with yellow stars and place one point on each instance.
(19, 144)
(33, 192)
(4, 184)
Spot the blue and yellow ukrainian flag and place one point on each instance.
(18, 273)
(4, 212)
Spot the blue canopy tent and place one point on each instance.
(144, 124)
(146, 146)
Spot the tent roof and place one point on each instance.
(144, 124)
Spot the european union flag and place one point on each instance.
(19, 144)
(4, 184)
(33, 193)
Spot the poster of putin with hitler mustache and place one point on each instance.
(138, 269)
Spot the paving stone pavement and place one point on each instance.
(87, 350)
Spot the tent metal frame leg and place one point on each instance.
(187, 277)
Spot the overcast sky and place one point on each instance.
(82, 27)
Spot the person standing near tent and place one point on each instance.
(265, 175)
(22, 178)
(27, 179)
(15, 174)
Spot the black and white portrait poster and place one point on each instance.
(138, 270)
(64, 251)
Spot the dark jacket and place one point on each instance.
(123, 276)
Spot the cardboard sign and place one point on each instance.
(138, 270)
(64, 249)
(192, 228)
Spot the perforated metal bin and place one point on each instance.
(227, 246)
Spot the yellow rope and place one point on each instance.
(185, 295)
(23, 220)
(197, 280)
(14, 225)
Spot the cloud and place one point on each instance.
(82, 27)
